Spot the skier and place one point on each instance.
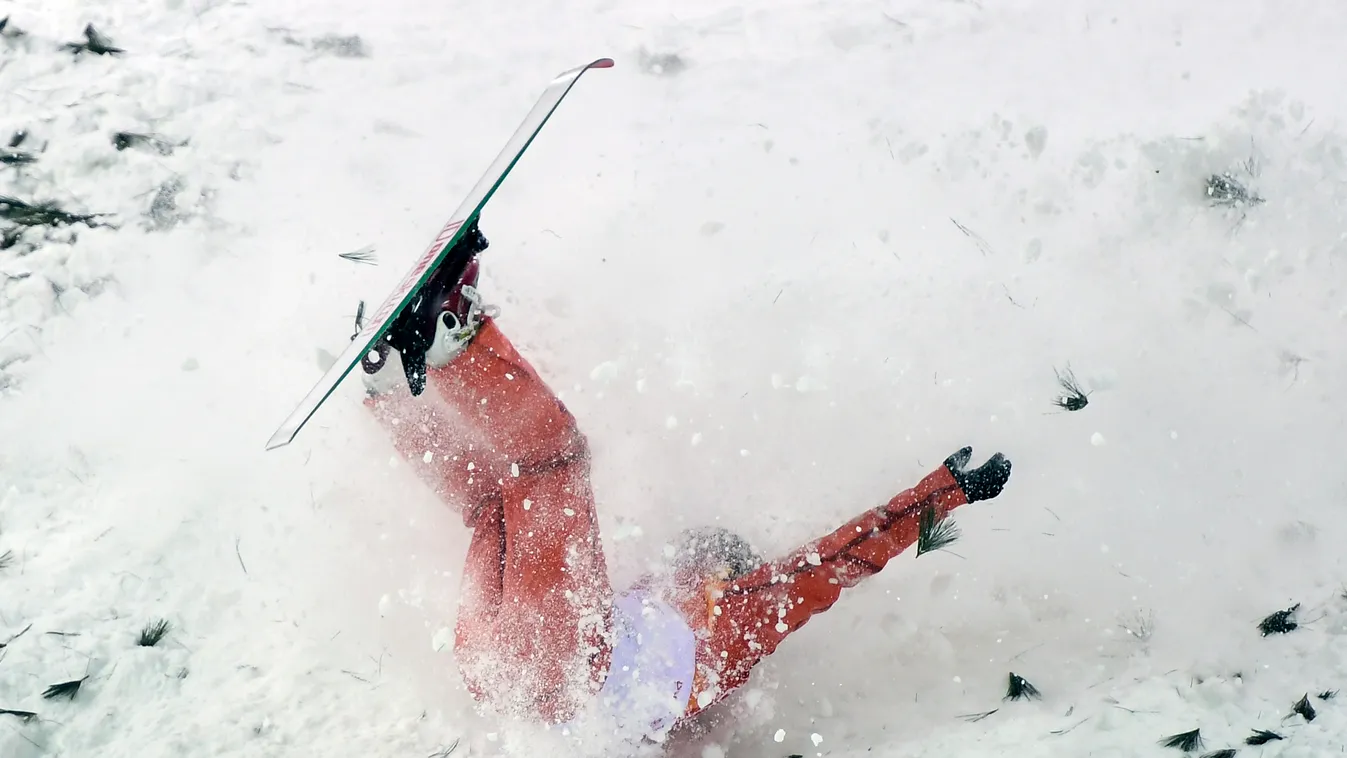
(540, 631)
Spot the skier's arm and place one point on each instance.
(761, 608)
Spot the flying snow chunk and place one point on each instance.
(671, 422)
(780, 735)
(816, 738)
(604, 372)
(809, 384)
(1097, 439)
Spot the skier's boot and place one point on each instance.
(438, 323)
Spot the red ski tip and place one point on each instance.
(602, 63)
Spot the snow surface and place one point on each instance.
(781, 260)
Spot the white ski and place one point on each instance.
(463, 217)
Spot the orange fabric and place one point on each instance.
(759, 610)
(536, 606)
(536, 610)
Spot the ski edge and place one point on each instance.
(420, 271)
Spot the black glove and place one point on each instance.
(982, 483)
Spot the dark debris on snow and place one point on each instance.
(67, 690)
(155, 142)
(1280, 622)
(9, 30)
(94, 42)
(153, 633)
(24, 716)
(1185, 741)
(1262, 737)
(43, 214)
(341, 46)
(1304, 708)
(1073, 398)
(1225, 189)
(1019, 688)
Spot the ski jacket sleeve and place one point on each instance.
(756, 612)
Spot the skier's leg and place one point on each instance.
(760, 609)
(532, 631)
(430, 437)
(536, 608)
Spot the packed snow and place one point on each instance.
(780, 261)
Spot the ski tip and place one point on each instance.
(602, 63)
(281, 438)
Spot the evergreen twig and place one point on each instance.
(1225, 189)
(67, 690)
(94, 42)
(6, 643)
(936, 532)
(363, 255)
(1280, 622)
(42, 214)
(16, 157)
(359, 319)
(1262, 737)
(9, 30)
(124, 140)
(1304, 708)
(1019, 688)
(153, 633)
(1073, 398)
(1185, 741)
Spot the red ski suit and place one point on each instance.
(532, 635)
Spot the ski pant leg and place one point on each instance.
(532, 636)
(759, 610)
